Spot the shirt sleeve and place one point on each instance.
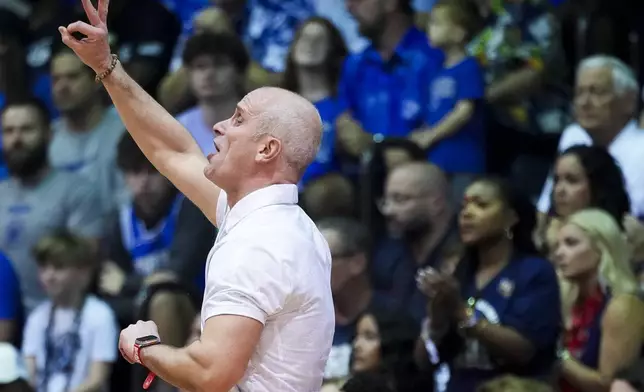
(104, 346)
(535, 309)
(246, 280)
(33, 338)
(85, 213)
(470, 81)
(9, 290)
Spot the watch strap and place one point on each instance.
(137, 353)
(138, 346)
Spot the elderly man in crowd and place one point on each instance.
(605, 103)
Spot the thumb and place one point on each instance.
(87, 30)
(68, 39)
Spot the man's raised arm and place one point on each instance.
(163, 140)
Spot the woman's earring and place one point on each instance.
(509, 233)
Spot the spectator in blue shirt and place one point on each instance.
(380, 86)
(453, 135)
(313, 70)
(10, 303)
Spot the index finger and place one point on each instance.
(91, 12)
(103, 6)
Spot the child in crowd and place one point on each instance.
(70, 341)
(454, 133)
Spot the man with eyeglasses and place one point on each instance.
(417, 207)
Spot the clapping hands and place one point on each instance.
(443, 293)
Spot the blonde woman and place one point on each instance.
(603, 313)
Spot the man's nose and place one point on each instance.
(12, 141)
(219, 128)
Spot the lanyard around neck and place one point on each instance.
(68, 369)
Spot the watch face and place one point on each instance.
(147, 340)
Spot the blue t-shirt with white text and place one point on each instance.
(464, 151)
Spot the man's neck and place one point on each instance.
(36, 178)
(423, 245)
(86, 119)
(313, 84)
(454, 55)
(392, 34)
(353, 300)
(214, 111)
(604, 137)
(257, 182)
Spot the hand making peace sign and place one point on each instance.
(94, 49)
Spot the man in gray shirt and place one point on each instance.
(87, 132)
(36, 199)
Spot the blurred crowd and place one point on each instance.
(480, 183)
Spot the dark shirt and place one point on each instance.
(523, 296)
(393, 272)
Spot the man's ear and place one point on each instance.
(269, 150)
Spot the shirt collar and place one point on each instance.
(285, 194)
(411, 37)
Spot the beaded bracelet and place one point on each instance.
(108, 71)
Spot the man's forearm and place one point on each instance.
(183, 369)
(174, 365)
(516, 85)
(151, 126)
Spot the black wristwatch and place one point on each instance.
(142, 342)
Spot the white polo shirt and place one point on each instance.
(628, 151)
(271, 263)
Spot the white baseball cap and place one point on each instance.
(12, 366)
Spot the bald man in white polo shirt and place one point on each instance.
(267, 316)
